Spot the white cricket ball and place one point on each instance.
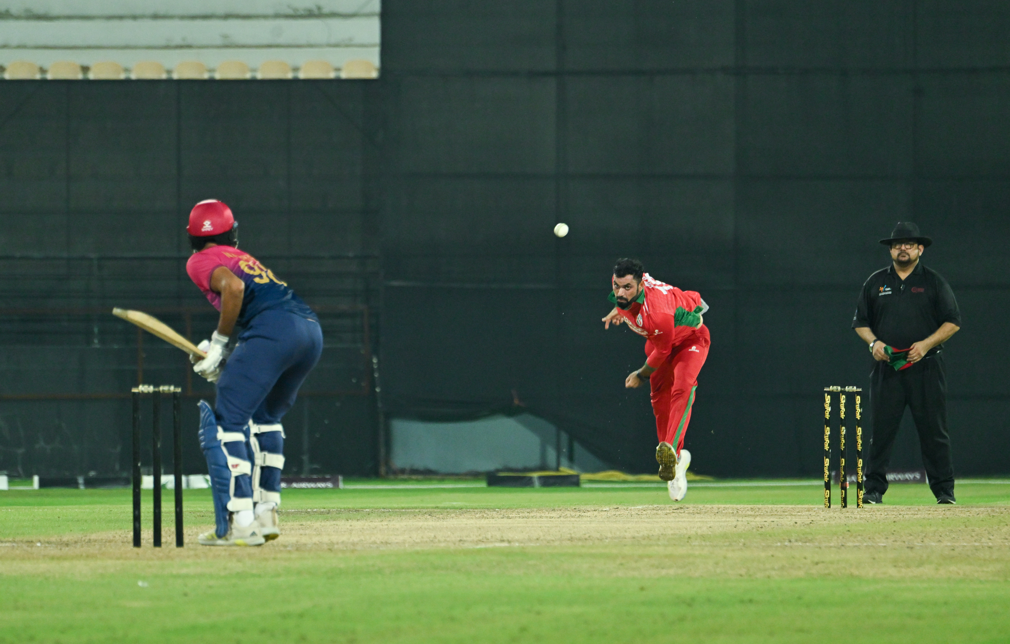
(561, 230)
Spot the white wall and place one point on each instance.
(129, 31)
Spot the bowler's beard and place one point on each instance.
(623, 304)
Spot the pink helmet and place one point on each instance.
(209, 218)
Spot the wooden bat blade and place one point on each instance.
(156, 327)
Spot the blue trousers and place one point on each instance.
(261, 379)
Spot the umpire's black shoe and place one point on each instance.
(873, 498)
(946, 499)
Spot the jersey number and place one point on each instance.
(261, 274)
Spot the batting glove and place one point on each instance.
(193, 358)
(210, 367)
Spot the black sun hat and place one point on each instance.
(906, 230)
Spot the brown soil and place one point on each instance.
(697, 526)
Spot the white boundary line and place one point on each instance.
(756, 484)
(707, 484)
(770, 483)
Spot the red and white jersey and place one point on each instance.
(651, 316)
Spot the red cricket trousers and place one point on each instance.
(673, 387)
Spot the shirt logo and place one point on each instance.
(918, 289)
(885, 290)
(695, 349)
(639, 320)
(639, 330)
(207, 227)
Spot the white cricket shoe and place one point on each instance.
(247, 536)
(678, 486)
(210, 538)
(268, 524)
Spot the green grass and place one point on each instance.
(817, 580)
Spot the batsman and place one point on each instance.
(277, 342)
(676, 346)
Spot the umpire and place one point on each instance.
(905, 313)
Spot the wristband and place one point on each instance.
(873, 343)
(218, 339)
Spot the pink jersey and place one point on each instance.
(262, 288)
(651, 317)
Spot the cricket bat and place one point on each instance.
(156, 327)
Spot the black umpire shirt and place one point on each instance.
(902, 313)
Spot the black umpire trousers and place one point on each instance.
(923, 389)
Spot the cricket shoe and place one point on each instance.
(667, 459)
(678, 486)
(237, 536)
(268, 524)
(873, 498)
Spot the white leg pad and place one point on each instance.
(237, 505)
(270, 460)
(263, 459)
(237, 466)
(256, 428)
(262, 496)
